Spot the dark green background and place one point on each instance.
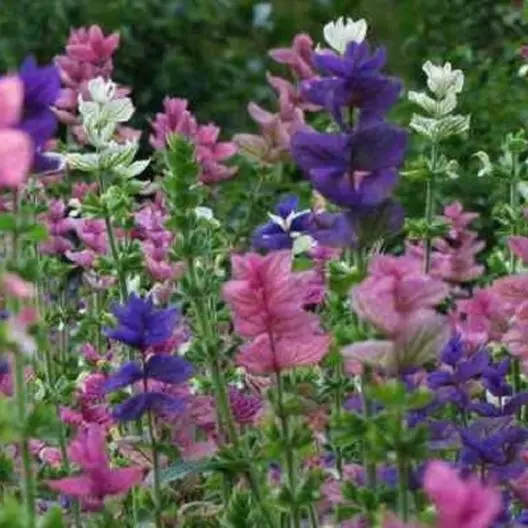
(213, 53)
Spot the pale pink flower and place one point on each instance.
(16, 153)
(394, 291)
(519, 246)
(299, 58)
(98, 480)
(14, 286)
(460, 503)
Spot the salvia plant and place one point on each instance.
(173, 356)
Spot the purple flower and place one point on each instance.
(353, 80)
(332, 229)
(285, 224)
(41, 89)
(141, 325)
(494, 379)
(355, 169)
(166, 369)
(494, 443)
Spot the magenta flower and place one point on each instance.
(98, 480)
(460, 503)
(210, 153)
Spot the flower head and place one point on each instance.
(98, 480)
(340, 33)
(141, 325)
(460, 503)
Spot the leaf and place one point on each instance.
(52, 519)
(118, 110)
(182, 469)
(7, 222)
(36, 233)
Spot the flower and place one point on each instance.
(340, 33)
(460, 503)
(41, 90)
(352, 169)
(98, 480)
(267, 305)
(170, 370)
(286, 224)
(245, 407)
(141, 325)
(353, 80)
(300, 57)
(443, 80)
(15, 145)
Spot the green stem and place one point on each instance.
(338, 406)
(369, 465)
(314, 520)
(403, 488)
(430, 206)
(289, 455)
(28, 489)
(155, 470)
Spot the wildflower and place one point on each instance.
(285, 224)
(166, 369)
(460, 503)
(14, 286)
(353, 169)
(141, 325)
(300, 57)
(340, 33)
(41, 89)
(442, 80)
(394, 290)
(97, 480)
(353, 80)
(267, 305)
(245, 407)
(15, 145)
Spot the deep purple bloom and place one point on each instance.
(4, 367)
(494, 443)
(332, 229)
(355, 169)
(41, 89)
(166, 369)
(141, 325)
(494, 379)
(285, 224)
(353, 80)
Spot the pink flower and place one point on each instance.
(16, 153)
(300, 57)
(14, 286)
(394, 291)
(267, 301)
(519, 246)
(460, 503)
(210, 154)
(98, 480)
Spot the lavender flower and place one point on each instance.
(166, 369)
(141, 325)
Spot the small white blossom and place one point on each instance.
(206, 214)
(102, 91)
(443, 80)
(340, 33)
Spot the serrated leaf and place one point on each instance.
(432, 106)
(118, 110)
(83, 162)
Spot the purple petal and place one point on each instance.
(168, 369)
(131, 409)
(128, 374)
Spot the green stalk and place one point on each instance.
(205, 329)
(430, 205)
(289, 455)
(314, 520)
(403, 488)
(369, 465)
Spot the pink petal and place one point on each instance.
(73, 486)
(367, 352)
(11, 98)
(119, 481)
(519, 246)
(15, 157)
(81, 52)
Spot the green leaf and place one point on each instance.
(36, 233)
(7, 222)
(52, 519)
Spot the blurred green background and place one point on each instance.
(214, 52)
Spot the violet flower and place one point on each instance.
(171, 370)
(286, 223)
(141, 325)
(355, 169)
(41, 90)
(353, 80)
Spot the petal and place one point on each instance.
(168, 369)
(15, 157)
(11, 97)
(72, 486)
(131, 409)
(128, 374)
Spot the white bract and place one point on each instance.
(339, 33)
(443, 80)
(285, 223)
(102, 91)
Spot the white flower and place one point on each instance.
(102, 91)
(442, 80)
(340, 33)
(206, 214)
